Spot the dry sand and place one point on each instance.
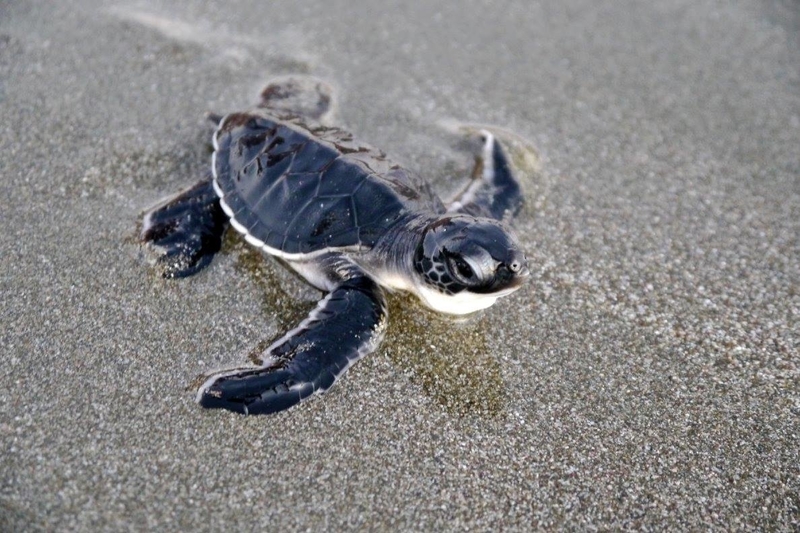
(647, 377)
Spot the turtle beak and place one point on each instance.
(516, 261)
(518, 268)
(508, 278)
(520, 277)
(513, 273)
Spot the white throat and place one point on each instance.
(462, 303)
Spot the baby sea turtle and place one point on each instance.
(350, 222)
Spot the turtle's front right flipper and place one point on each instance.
(346, 325)
(185, 231)
(494, 192)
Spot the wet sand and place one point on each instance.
(647, 377)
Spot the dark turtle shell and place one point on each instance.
(300, 188)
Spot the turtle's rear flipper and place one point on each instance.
(346, 325)
(494, 191)
(300, 95)
(185, 231)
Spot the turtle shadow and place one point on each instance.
(450, 359)
(277, 285)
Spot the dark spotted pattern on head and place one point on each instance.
(434, 272)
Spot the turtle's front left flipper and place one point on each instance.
(346, 325)
(185, 231)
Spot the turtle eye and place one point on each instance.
(463, 268)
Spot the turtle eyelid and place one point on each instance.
(483, 266)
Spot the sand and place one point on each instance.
(648, 376)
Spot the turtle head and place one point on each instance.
(466, 263)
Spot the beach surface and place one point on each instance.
(647, 377)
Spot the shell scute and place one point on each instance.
(340, 178)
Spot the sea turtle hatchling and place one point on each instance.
(351, 223)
